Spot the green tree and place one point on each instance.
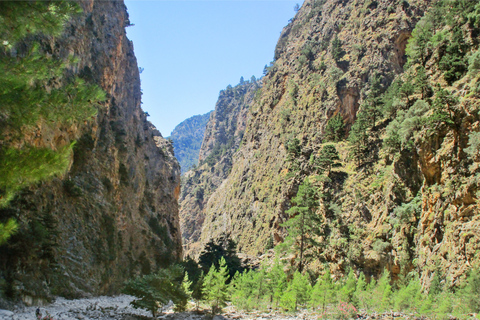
(422, 82)
(410, 296)
(337, 51)
(382, 293)
(243, 293)
(361, 294)
(198, 289)
(335, 129)
(358, 138)
(297, 292)
(324, 292)
(304, 224)
(327, 159)
(471, 291)
(216, 290)
(157, 289)
(418, 47)
(214, 250)
(347, 291)
(373, 103)
(37, 87)
(277, 282)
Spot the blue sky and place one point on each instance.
(190, 50)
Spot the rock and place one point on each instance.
(121, 172)
(6, 313)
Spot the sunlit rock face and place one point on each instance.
(114, 214)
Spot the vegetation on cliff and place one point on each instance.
(91, 184)
(187, 139)
(376, 104)
(223, 135)
(36, 88)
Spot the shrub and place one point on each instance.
(335, 129)
(157, 289)
(215, 289)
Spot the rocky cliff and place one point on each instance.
(223, 135)
(187, 139)
(114, 214)
(410, 207)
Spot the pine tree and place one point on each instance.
(243, 292)
(360, 294)
(304, 224)
(216, 291)
(7, 229)
(382, 293)
(153, 290)
(335, 129)
(327, 159)
(358, 138)
(277, 282)
(347, 291)
(337, 51)
(471, 292)
(409, 296)
(323, 292)
(297, 292)
(372, 106)
(198, 289)
(25, 99)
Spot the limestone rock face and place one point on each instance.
(417, 209)
(304, 88)
(223, 135)
(187, 139)
(114, 214)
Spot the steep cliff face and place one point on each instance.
(399, 210)
(303, 89)
(187, 139)
(223, 135)
(114, 214)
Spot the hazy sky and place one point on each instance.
(190, 50)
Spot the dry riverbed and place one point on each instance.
(118, 308)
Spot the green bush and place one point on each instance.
(335, 129)
(216, 291)
(157, 289)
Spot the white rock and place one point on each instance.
(5, 313)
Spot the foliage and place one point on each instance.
(335, 129)
(358, 138)
(337, 51)
(250, 289)
(340, 299)
(36, 88)
(471, 291)
(216, 291)
(187, 139)
(223, 248)
(7, 230)
(297, 292)
(401, 133)
(22, 167)
(346, 293)
(304, 224)
(410, 296)
(373, 103)
(293, 149)
(323, 292)
(157, 289)
(39, 17)
(327, 159)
